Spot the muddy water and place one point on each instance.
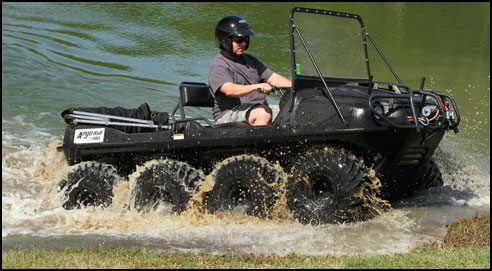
(58, 55)
(32, 216)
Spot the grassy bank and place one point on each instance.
(466, 245)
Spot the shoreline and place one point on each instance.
(466, 245)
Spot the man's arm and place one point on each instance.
(279, 81)
(235, 90)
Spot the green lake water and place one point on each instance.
(59, 55)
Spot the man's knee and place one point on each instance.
(260, 115)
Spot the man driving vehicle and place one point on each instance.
(239, 82)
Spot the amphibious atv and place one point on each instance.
(339, 144)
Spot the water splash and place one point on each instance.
(31, 207)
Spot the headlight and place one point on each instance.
(378, 109)
(428, 110)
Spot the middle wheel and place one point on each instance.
(328, 185)
(244, 183)
(166, 181)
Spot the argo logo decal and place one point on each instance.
(83, 136)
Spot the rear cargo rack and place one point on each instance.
(103, 119)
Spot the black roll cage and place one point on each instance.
(440, 98)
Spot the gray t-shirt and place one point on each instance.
(244, 70)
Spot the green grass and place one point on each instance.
(466, 245)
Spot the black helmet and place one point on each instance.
(231, 26)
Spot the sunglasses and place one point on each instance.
(238, 40)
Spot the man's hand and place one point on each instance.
(264, 88)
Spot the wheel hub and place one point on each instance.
(322, 190)
(87, 197)
(239, 198)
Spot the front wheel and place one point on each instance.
(401, 187)
(431, 177)
(331, 186)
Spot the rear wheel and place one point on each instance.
(331, 186)
(244, 183)
(88, 184)
(165, 181)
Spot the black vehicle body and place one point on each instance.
(394, 129)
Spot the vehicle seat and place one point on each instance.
(195, 94)
(192, 94)
(198, 94)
